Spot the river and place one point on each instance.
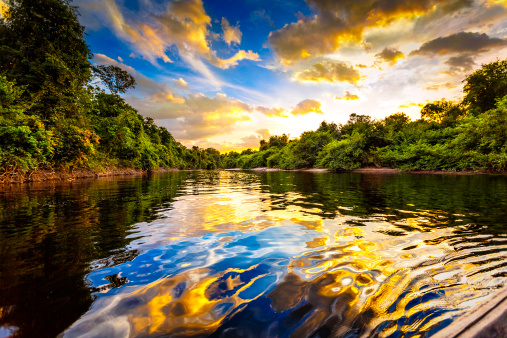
(250, 254)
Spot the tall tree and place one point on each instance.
(42, 47)
(486, 85)
(116, 79)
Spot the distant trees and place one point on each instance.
(466, 135)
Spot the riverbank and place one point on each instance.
(70, 175)
(63, 175)
(380, 171)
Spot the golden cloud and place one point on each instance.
(181, 83)
(264, 133)
(439, 86)
(340, 21)
(231, 34)
(348, 96)
(233, 61)
(306, 107)
(411, 104)
(390, 55)
(329, 71)
(272, 112)
(199, 116)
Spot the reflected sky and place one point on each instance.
(229, 254)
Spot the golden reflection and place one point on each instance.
(375, 269)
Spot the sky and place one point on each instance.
(227, 73)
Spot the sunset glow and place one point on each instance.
(226, 74)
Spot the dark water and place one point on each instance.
(248, 254)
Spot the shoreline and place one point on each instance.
(382, 170)
(78, 174)
(62, 175)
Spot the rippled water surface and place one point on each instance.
(246, 254)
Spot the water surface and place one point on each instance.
(228, 254)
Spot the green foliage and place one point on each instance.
(443, 112)
(24, 141)
(43, 49)
(345, 154)
(486, 85)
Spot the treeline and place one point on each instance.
(468, 135)
(52, 116)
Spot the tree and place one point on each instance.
(486, 85)
(42, 48)
(116, 79)
(444, 112)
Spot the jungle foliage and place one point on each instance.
(455, 136)
(53, 117)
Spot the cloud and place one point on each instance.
(250, 141)
(199, 116)
(233, 61)
(264, 133)
(231, 34)
(390, 55)
(307, 37)
(460, 64)
(440, 86)
(463, 42)
(306, 107)
(329, 71)
(348, 96)
(411, 104)
(144, 85)
(272, 112)
(181, 83)
(338, 22)
(183, 25)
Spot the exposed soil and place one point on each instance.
(64, 175)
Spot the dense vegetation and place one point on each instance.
(469, 135)
(51, 114)
(52, 117)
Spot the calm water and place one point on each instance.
(248, 254)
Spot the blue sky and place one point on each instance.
(226, 74)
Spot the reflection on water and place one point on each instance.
(232, 254)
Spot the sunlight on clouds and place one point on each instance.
(329, 71)
(184, 25)
(232, 34)
(248, 142)
(306, 107)
(233, 61)
(272, 112)
(390, 55)
(337, 22)
(181, 84)
(348, 96)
